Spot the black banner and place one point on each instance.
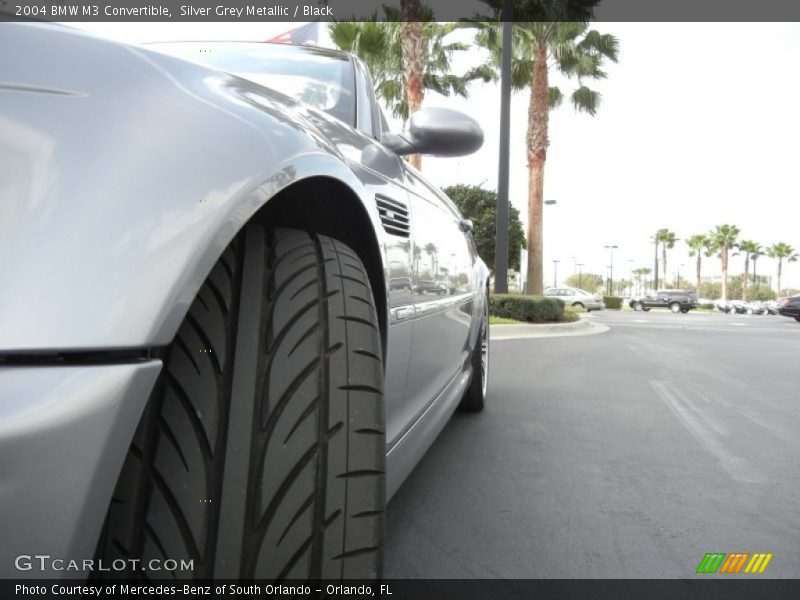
(364, 10)
(433, 589)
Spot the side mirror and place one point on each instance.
(437, 132)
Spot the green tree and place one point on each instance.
(709, 290)
(782, 252)
(723, 239)
(667, 239)
(750, 249)
(697, 244)
(407, 57)
(576, 52)
(585, 281)
(480, 206)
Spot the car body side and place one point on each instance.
(124, 174)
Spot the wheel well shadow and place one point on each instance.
(328, 207)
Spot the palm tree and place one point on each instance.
(697, 243)
(782, 251)
(412, 45)
(754, 257)
(395, 51)
(432, 251)
(639, 274)
(723, 238)
(750, 249)
(576, 52)
(667, 240)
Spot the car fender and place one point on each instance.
(124, 174)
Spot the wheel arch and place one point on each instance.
(327, 206)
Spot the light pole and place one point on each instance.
(678, 277)
(580, 275)
(655, 260)
(555, 272)
(611, 267)
(501, 226)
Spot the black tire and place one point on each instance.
(261, 451)
(797, 318)
(475, 396)
(578, 305)
(638, 306)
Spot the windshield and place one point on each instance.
(310, 75)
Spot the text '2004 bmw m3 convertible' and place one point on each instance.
(215, 345)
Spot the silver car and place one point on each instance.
(576, 297)
(213, 344)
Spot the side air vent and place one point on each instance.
(394, 216)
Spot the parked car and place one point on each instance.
(742, 307)
(576, 297)
(430, 287)
(771, 306)
(725, 306)
(210, 345)
(676, 300)
(790, 307)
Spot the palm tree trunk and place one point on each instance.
(780, 268)
(664, 261)
(413, 47)
(538, 114)
(724, 257)
(698, 271)
(746, 274)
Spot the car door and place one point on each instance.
(442, 260)
(383, 173)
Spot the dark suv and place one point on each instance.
(675, 300)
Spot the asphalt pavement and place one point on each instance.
(628, 454)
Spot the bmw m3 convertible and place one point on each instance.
(216, 349)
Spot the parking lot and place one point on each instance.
(626, 454)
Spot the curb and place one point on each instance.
(515, 332)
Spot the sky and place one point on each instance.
(698, 126)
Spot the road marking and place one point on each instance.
(640, 321)
(740, 324)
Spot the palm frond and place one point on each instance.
(556, 97)
(586, 100)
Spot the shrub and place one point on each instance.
(612, 302)
(531, 309)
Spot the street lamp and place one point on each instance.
(580, 275)
(611, 263)
(501, 225)
(678, 277)
(555, 272)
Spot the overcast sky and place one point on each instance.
(698, 126)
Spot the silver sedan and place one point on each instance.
(576, 297)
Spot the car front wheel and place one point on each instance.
(261, 451)
(578, 305)
(675, 307)
(475, 397)
(638, 307)
(797, 318)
